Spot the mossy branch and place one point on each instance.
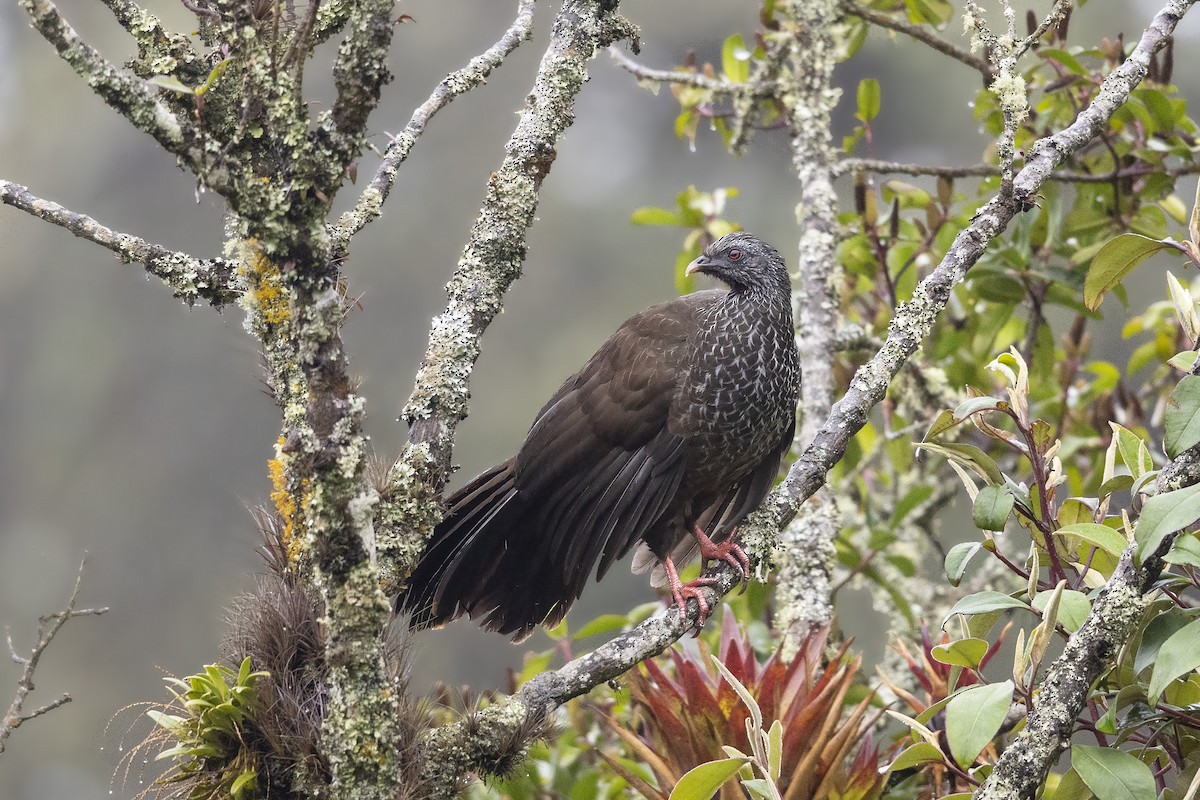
(191, 279)
(490, 262)
(492, 729)
(128, 95)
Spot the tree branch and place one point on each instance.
(190, 278)
(359, 75)
(126, 94)
(884, 20)
(370, 203)
(804, 75)
(852, 165)
(470, 745)
(489, 264)
(686, 78)
(48, 628)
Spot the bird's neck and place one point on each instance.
(769, 301)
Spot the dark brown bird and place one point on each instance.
(676, 426)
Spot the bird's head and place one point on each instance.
(742, 261)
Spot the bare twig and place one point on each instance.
(48, 628)
(884, 20)
(686, 78)
(370, 203)
(190, 278)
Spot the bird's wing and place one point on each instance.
(600, 464)
(720, 517)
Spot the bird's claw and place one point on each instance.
(681, 591)
(728, 551)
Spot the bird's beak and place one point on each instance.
(698, 265)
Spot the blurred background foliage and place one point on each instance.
(137, 430)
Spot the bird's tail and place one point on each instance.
(484, 560)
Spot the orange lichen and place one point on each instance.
(266, 287)
(285, 504)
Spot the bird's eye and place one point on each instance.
(735, 255)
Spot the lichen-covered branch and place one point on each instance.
(492, 728)
(191, 279)
(359, 75)
(48, 628)
(895, 23)
(490, 262)
(126, 94)
(370, 203)
(1089, 653)
(805, 88)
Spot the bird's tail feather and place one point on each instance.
(485, 560)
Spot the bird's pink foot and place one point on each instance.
(681, 591)
(728, 551)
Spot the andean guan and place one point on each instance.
(676, 426)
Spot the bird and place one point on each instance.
(668, 437)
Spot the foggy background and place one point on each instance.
(138, 430)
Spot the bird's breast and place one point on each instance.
(740, 397)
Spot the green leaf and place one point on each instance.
(648, 215)
(983, 602)
(170, 82)
(775, 750)
(970, 456)
(742, 692)
(759, 787)
(957, 559)
(1184, 550)
(605, 623)
(243, 781)
(703, 781)
(869, 99)
(1133, 450)
(917, 754)
(1113, 262)
(1070, 787)
(1163, 515)
(974, 717)
(963, 653)
(1073, 607)
(1101, 536)
(735, 59)
(1183, 416)
(913, 498)
(1179, 655)
(992, 507)
(1111, 774)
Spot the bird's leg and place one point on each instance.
(728, 551)
(682, 591)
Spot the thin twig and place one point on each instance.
(48, 628)
(851, 165)
(190, 278)
(370, 203)
(685, 78)
(884, 20)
